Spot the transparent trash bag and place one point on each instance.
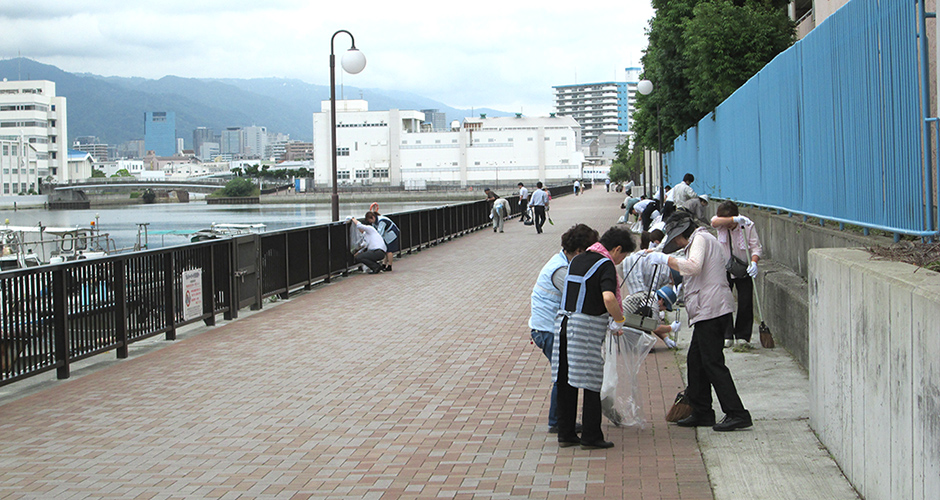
(620, 393)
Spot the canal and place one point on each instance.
(172, 223)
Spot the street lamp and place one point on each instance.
(645, 87)
(353, 62)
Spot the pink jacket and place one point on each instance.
(705, 281)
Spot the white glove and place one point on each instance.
(742, 220)
(676, 325)
(349, 218)
(679, 290)
(752, 269)
(613, 325)
(658, 258)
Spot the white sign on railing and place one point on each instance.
(192, 294)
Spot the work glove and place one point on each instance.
(658, 258)
(679, 290)
(676, 325)
(752, 269)
(613, 325)
(742, 220)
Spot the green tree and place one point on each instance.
(97, 173)
(728, 44)
(628, 163)
(122, 173)
(238, 187)
(699, 52)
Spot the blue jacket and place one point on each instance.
(546, 299)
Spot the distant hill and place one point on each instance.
(112, 108)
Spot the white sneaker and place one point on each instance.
(729, 343)
(741, 342)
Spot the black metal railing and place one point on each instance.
(54, 315)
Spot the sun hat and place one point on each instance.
(668, 295)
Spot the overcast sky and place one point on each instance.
(505, 55)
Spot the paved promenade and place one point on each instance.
(420, 383)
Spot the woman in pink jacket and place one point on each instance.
(710, 305)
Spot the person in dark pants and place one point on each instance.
(738, 236)
(710, 304)
(590, 307)
(538, 203)
(523, 202)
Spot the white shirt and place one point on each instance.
(373, 239)
(683, 192)
(539, 198)
(641, 205)
(523, 193)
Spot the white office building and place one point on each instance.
(33, 120)
(389, 147)
(256, 141)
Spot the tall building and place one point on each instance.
(437, 119)
(233, 141)
(201, 135)
(160, 132)
(597, 107)
(256, 141)
(391, 147)
(97, 151)
(33, 122)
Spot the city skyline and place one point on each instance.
(489, 54)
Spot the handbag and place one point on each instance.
(680, 408)
(736, 267)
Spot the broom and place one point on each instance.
(766, 339)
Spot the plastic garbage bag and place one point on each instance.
(621, 401)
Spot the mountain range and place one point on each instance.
(112, 108)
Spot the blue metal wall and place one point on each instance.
(830, 128)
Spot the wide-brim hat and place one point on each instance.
(677, 224)
(703, 197)
(668, 295)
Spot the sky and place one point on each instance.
(505, 55)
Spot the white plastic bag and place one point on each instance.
(620, 392)
(637, 227)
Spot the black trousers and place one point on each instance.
(539, 217)
(744, 322)
(706, 369)
(522, 206)
(370, 258)
(568, 401)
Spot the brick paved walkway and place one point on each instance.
(421, 383)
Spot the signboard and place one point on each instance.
(192, 294)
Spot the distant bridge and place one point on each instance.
(112, 184)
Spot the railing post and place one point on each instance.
(233, 291)
(120, 307)
(208, 300)
(169, 296)
(60, 298)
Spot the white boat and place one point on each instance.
(28, 246)
(225, 230)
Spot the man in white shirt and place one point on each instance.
(683, 191)
(523, 202)
(373, 249)
(539, 202)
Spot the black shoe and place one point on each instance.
(597, 445)
(387, 268)
(697, 421)
(376, 270)
(567, 444)
(730, 423)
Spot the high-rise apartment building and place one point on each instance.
(33, 129)
(597, 107)
(160, 132)
(201, 135)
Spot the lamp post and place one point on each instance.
(353, 62)
(645, 87)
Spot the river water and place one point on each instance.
(166, 220)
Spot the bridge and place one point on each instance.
(97, 185)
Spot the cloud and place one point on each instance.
(485, 53)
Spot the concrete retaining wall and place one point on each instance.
(781, 285)
(874, 369)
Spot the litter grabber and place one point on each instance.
(766, 339)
